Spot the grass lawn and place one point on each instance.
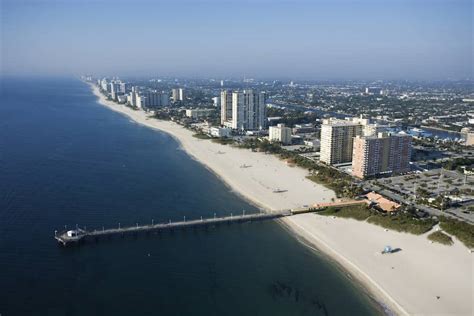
(403, 223)
(359, 213)
(461, 230)
(201, 136)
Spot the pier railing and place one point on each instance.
(67, 237)
(73, 236)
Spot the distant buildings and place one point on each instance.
(177, 94)
(280, 133)
(156, 99)
(114, 88)
(373, 91)
(304, 128)
(373, 129)
(147, 99)
(216, 101)
(243, 110)
(468, 136)
(122, 98)
(383, 153)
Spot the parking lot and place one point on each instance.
(436, 182)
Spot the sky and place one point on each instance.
(295, 39)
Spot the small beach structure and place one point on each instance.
(387, 249)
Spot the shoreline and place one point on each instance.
(316, 231)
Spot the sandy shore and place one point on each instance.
(422, 279)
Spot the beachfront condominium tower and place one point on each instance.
(226, 107)
(337, 140)
(379, 154)
(248, 110)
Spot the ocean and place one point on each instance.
(65, 160)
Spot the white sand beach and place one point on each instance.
(421, 279)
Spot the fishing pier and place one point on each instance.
(68, 237)
(75, 236)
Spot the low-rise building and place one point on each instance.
(304, 128)
(280, 133)
(122, 98)
(198, 113)
(220, 132)
(381, 202)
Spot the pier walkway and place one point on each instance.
(74, 236)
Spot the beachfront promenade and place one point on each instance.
(77, 235)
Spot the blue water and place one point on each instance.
(66, 160)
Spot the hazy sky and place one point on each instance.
(333, 39)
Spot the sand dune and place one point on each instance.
(422, 279)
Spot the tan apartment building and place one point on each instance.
(383, 153)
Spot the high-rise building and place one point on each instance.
(114, 89)
(104, 84)
(383, 153)
(280, 133)
(141, 101)
(337, 140)
(374, 129)
(132, 97)
(248, 110)
(148, 99)
(125, 87)
(156, 99)
(226, 107)
(177, 94)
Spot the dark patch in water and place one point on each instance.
(280, 290)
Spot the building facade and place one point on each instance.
(280, 133)
(199, 113)
(220, 132)
(337, 140)
(467, 135)
(226, 107)
(384, 153)
(248, 110)
(177, 94)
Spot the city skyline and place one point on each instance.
(302, 40)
